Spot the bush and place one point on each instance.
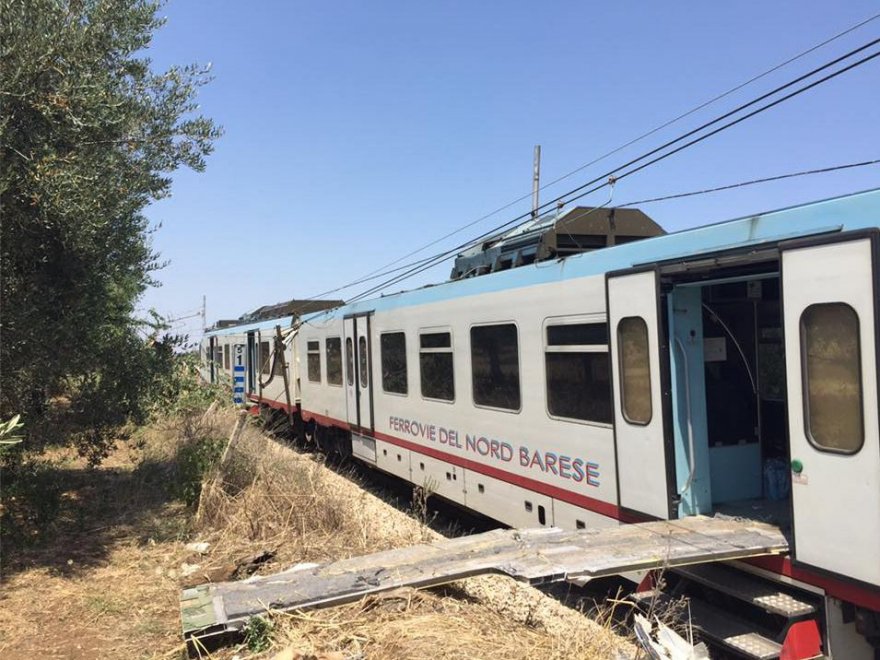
(198, 453)
(258, 634)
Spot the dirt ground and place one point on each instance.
(102, 580)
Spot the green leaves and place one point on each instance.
(89, 135)
(8, 435)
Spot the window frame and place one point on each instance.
(620, 362)
(314, 351)
(805, 375)
(450, 349)
(265, 359)
(405, 365)
(278, 365)
(490, 324)
(577, 348)
(327, 361)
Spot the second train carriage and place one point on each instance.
(729, 369)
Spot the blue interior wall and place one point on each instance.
(688, 378)
(736, 472)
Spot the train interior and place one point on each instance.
(728, 373)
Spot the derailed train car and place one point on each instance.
(725, 370)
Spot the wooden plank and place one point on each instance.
(529, 555)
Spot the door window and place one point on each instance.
(349, 360)
(831, 356)
(635, 370)
(362, 360)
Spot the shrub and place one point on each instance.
(201, 446)
(258, 634)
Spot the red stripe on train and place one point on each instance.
(583, 501)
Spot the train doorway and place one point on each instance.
(729, 397)
(251, 362)
(359, 373)
(773, 373)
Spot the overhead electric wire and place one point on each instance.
(368, 276)
(743, 184)
(729, 124)
(568, 196)
(726, 115)
(442, 257)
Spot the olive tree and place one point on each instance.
(90, 133)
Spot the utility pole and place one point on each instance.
(204, 313)
(536, 181)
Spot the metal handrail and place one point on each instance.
(687, 398)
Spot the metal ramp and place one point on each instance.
(214, 612)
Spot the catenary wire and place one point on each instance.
(753, 182)
(440, 258)
(368, 276)
(569, 198)
(730, 124)
(705, 191)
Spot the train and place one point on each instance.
(589, 370)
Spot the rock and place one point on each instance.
(200, 547)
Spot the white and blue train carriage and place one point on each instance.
(729, 369)
(246, 357)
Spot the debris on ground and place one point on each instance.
(129, 541)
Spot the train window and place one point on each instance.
(313, 360)
(349, 360)
(393, 349)
(226, 357)
(635, 370)
(578, 334)
(495, 366)
(578, 367)
(362, 361)
(265, 357)
(435, 365)
(334, 360)
(278, 363)
(831, 358)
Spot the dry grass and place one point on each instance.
(429, 624)
(269, 497)
(118, 598)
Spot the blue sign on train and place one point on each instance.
(238, 375)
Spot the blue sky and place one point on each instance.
(357, 131)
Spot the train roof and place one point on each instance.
(853, 211)
(268, 324)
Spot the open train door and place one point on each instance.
(358, 373)
(644, 457)
(830, 318)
